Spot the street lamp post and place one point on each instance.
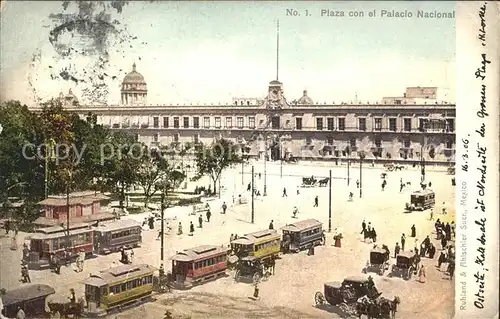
(253, 194)
(281, 158)
(68, 240)
(361, 157)
(265, 169)
(422, 164)
(162, 226)
(348, 167)
(330, 203)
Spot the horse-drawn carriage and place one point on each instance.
(406, 264)
(379, 259)
(393, 167)
(251, 269)
(346, 294)
(312, 181)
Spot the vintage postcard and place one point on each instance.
(249, 159)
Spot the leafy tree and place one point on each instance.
(20, 176)
(213, 160)
(122, 160)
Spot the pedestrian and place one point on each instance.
(271, 226)
(401, 186)
(432, 251)
(249, 187)
(363, 226)
(413, 231)
(131, 255)
(432, 214)
(82, 260)
(351, 195)
(191, 229)
(295, 211)
(443, 243)
(383, 185)
(323, 237)
(256, 290)
(403, 240)
(179, 229)
(160, 234)
(441, 259)
(357, 183)
(200, 221)
(374, 235)
(284, 192)
(298, 191)
(316, 200)
(451, 269)
(259, 175)
(421, 274)
(209, 214)
(20, 313)
(430, 184)
(444, 208)
(224, 207)
(7, 227)
(231, 238)
(396, 250)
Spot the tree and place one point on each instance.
(21, 175)
(213, 160)
(122, 161)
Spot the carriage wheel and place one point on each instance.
(410, 272)
(319, 299)
(390, 168)
(237, 276)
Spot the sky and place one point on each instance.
(208, 52)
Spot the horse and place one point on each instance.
(324, 182)
(67, 308)
(308, 181)
(398, 167)
(389, 307)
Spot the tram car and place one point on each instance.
(264, 245)
(112, 237)
(197, 265)
(30, 298)
(300, 235)
(55, 239)
(117, 287)
(422, 199)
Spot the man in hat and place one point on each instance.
(396, 250)
(200, 221)
(271, 225)
(209, 214)
(191, 229)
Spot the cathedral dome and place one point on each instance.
(305, 99)
(134, 77)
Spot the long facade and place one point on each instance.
(413, 127)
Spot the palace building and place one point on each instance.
(417, 125)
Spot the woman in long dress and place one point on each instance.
(422, 274)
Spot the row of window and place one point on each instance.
(125, 233)
(209, 262)
(116, 289)
(424, 124)
(240, 122)
(76, 240)
(271, 243)
(377, 142)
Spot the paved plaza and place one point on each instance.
(290, 292)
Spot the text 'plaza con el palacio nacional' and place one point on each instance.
(419, 125)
